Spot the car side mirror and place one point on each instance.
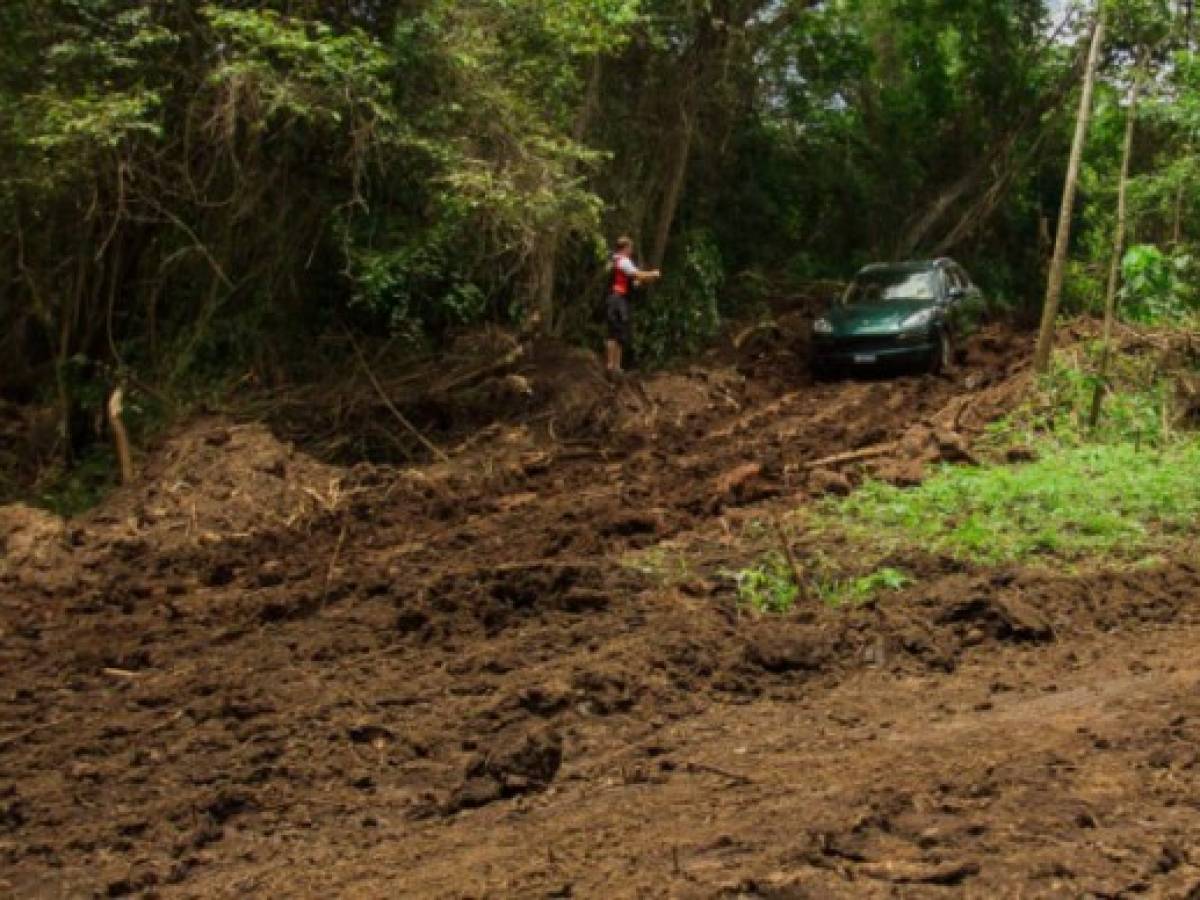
(955, 293)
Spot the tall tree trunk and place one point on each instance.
(676, 177)
(1177, 227)
(1114, 267)
(545, 262)
(1054, 283)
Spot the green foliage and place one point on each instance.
(1057, 413)
(869, 109)
(1157, 287)
(836, 587)
(768, 586)
(75, 491)
(278, 69)
(683, 314)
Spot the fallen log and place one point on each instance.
(871, 452)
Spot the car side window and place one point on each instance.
(963, 279)
(955, 279)
(948, 281)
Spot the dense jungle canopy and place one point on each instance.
(193, 191)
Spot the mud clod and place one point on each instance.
(827, 481)
(1005, 617)
(519, 761)
(793, 650)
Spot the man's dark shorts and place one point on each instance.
(618, 319)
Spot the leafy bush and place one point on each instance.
(1156, 285)
(683, 314)
(1058, 410)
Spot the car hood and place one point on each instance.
(875, 318)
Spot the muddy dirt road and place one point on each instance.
(255, 674)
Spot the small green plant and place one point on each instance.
(770, 587)
(767, 587)
(842, 591)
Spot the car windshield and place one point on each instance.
(883, 287)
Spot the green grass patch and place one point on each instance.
(769, 586)
(1110, 500)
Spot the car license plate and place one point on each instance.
(864, 359)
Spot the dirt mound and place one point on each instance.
(31, 543)
(211, 483)
(216, 479)
(251, 657)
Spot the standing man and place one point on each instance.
(625, 276)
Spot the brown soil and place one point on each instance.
(254, 674)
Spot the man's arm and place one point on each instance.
(641, 276)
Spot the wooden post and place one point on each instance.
(1054, 283)
(1114, 267)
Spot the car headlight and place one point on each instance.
(917, 320)
(822, 326)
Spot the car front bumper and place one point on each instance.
(830, 354)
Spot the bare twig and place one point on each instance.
(122, 674)
(717, 770)
(11, 739)
(425, 442)
(853, 456)
(470, 377)
(793, 565)
(337, 551)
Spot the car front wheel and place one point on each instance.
(942, 359)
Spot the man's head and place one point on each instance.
(624, 245)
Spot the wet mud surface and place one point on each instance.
(255, 674)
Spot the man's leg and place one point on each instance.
(623, 334)
(612, 317)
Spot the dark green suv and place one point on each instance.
(910, 313)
